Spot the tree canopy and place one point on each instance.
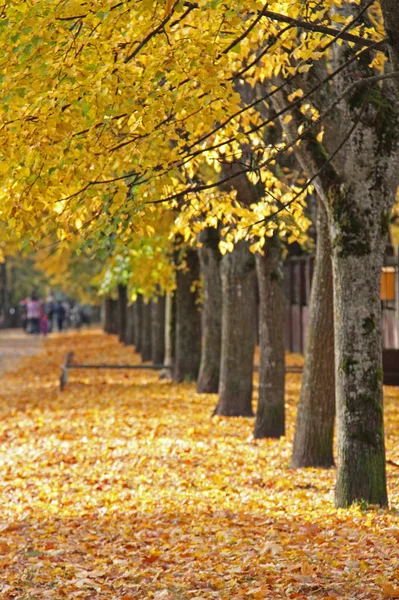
(111, 107)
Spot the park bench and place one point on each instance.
(69, 364)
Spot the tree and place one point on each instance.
(314, 429)
(137, 319)
(146, 331)
(87, 138)
(270, 417)
(122, 312)
(358, 193)
(210, 258)
(188, 317)
(110, 315)
(238, 332)
(158, 329)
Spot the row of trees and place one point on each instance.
(141, 134)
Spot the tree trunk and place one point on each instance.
(138, 317)
(169, 337)
(146, 332)
(358, 249)
(270, 415)
(313, 441)
(188, 321)
(238, 328)
(111, 316)
(357, 190)
(122, 310)
(130, 325)
(391, 23)
(210, 257)
(107, 315)
(158, 330)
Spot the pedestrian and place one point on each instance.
(44, 324)
(61, 313)
(34, 312)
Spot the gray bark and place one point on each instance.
(130, 325)
(166, 373)
(122, 313)
(270, 414)
(313, 441)
(111, 315)
(238, 332)
(390, 11)
(188, 321)
(137, 319)
(358, 248)
(358, 189)
(146, 332)
(210, 257)
(158, 330)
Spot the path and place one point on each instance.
(123, 487)
(15, 344)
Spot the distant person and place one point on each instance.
(67, 318)
(76, 316)
(61, 314)
(44, 324)
(50, 310)
(34, 312)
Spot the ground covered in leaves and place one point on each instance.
(124, 487)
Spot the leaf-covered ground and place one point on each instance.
(124, 487)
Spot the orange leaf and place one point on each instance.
(4, 548)
(389, 591)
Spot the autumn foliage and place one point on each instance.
(124, 487)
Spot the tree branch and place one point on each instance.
(348, 37)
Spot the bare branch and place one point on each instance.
(150, 35)
(348, 37)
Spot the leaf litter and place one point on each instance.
(124, 487)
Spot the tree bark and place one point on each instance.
(238, 332)
(158, 330)
(188, 321)
(138, 317)
(130, 325)
(358, 190)
(270, 414)
(391, 23)
(210, 257)
(122, 312)
(166, 373)
(146, 332)
(358, 249)
(111, 315)
(107, 315)
(313, 441)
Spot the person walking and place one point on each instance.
(34, 312)
(44, 324)
(61, 313)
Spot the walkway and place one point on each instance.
(15, 344)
